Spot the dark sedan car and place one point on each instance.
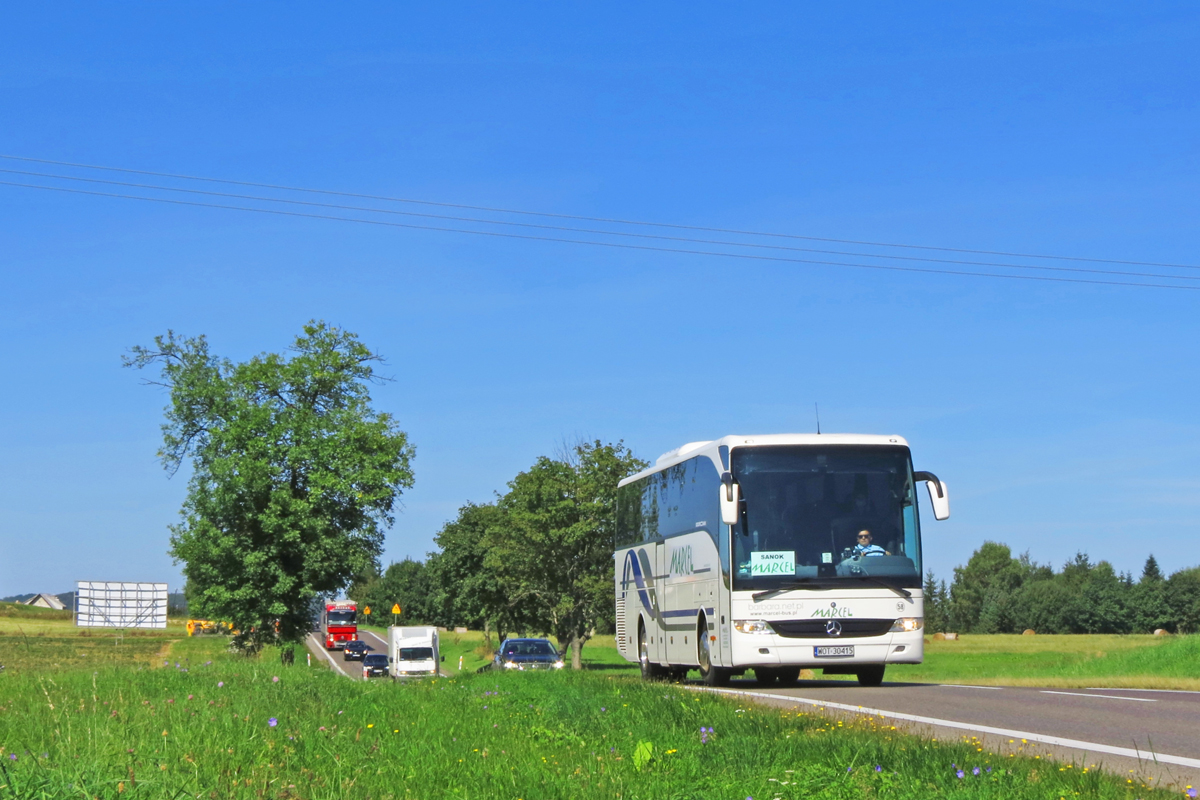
(526, 654)
(355, 650)
(375, 665)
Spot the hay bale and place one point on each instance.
(938, 637)
(1029, 632)
(1160, 632)
(951, 637)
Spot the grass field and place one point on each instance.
(227, 728)
(165, 716)
(1145, 662)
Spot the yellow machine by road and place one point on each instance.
(196, 627)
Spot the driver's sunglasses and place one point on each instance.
(864, 536)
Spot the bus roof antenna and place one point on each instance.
(817, 411)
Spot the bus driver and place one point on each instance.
(865, 548)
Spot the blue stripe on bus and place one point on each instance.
(688, 612)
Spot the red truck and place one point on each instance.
(339, 623)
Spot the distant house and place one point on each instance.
(45, 601)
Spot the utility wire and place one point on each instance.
(594, 231)
(619, 245)
(613, 221)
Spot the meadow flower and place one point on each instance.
(975, 771)
(12, 756)
(275, 679)
(189, 697)
(1191, 792)
(878, 768)
(272, 722)
(959, 773)
(220, 684)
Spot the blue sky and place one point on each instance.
(1063, 416)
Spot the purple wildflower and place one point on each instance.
(12, 756)
(602, 708)
(275, 679)
(272, 722)
(878, 768)
(975, 771)
(220, 684)
(1191, 792)
(959, 773)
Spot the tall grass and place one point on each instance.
(1068, 660)
(228, 727)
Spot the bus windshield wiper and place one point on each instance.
(884, 584)
(787, 587)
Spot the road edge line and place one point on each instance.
(325, 653)
(1076, 744)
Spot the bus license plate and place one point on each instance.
(834, 651)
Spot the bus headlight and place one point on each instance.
(908, 625)
(558, 664)
(511, 665)
(751, 626)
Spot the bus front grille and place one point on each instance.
(815, 628)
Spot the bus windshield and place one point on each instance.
(341, 616)
(832, 514)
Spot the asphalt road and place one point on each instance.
(1153, 733)
(351, 669)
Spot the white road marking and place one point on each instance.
(1105, 696)
(1124, 689)
(332, 663)
(1127, 752)
(968, 686)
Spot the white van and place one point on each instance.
(413, 652)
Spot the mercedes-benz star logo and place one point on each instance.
(833, 628)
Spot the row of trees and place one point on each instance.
(997, 593)
(538, 559)
(294, 478)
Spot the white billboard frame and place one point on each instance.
(120, 604)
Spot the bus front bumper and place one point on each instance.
(769, 650)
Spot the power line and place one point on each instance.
(619, 245)
(608, 220)
(690, 240)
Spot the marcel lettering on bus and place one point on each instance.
(681, 560)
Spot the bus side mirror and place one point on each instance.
(939, 495)
(730, 498)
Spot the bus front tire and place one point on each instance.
(711, 675)
(765, 676)
(788, 675)
(871, 676)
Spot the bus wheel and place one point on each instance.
(788, 675)
(870, 676)
(765, 676)
(650, 671)
(712, 676)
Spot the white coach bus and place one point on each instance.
(773, 553)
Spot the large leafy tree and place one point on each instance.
(553, 549)
(468, 586)
(294, 474)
